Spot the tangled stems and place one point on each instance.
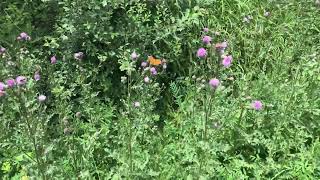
(130, 121)
(208, 109)
(32, 136)
(210, 96)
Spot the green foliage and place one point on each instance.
(102, 120)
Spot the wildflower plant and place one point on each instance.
(159, 90)
(28, 113)
(141, 84)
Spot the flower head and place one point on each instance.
(206, 39)
(266, 13)
(144, 64)
(247, 19)
(227, 60)
(134, 56)
(42, 98)
(78, 55)
(67, 131)
(21, 80)
(10, 83)
(202, 53)
(123, 79)
(2, 50)
(146, 79)
(24, 36)
(78, 114)
(136, 104)
(153, 71)
(53, 60)
(214, 83)
(205, 29)
(36, 76)
(164, 65)
(65, 121)
(2, 86)
(257, 105)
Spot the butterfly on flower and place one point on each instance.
(154, 61)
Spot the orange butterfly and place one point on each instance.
(153, 61)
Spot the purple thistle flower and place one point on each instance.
(11, 83)
(2, 50)
(227, 60)
(257, 105)
(205, 29)
(153, 71)
(2, 86)
(42, 98)
(201, 53)
(146, 79)
(78, 56)
(214, 83)
(37, 76)
(206, 39)
(24, 36)
(21, 80)
(53, 60)
(144, 64)
(134, 56)
(136, 104)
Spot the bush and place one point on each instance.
(159, 89)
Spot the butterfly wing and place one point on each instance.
(153, 61)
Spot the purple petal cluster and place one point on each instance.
(214, 83)
(201, 53)
(227, 60)
(78, 56)
(24, 37)
(206, 39)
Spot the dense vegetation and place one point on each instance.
(190, 89)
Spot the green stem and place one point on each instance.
(130, 122)
(34, 142)
(32, 137)
(208, 112)
(206, 118)
(241, 114)
(74, 154)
